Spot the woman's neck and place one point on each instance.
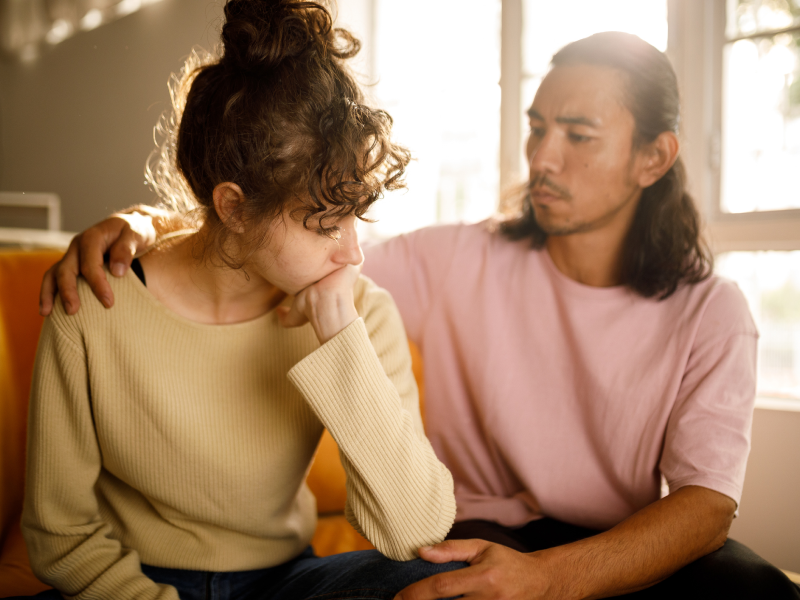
(201, 290)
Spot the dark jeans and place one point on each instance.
(734, 572)
(363, 575)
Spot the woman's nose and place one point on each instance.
(348, 251)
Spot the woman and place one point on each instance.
(170, 436)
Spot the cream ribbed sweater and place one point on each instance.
(185, 445)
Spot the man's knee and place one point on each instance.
(735, 571)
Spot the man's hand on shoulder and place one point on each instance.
(122, 236)
(495, 573)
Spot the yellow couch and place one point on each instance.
(20, 276)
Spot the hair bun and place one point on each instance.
(259, 34)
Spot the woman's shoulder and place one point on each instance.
(91, 308)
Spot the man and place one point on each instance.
(574, 353)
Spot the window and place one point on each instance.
(738, 64)
(435, 67)
(761, 106)
(771, 283)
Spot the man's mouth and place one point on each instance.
(545, 195)
(543, 190)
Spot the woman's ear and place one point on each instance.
(227, 198)
(658, 158)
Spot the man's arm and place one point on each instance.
(644, 549)
(122, 236)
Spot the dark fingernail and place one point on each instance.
(106, 301)
(68, 307)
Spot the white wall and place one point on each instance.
(79, 121)
(769, 514)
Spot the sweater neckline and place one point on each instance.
(269, 316)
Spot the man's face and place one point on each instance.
(583, 170)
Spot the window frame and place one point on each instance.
(696, 45)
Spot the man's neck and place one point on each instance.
(593, 257)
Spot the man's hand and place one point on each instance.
(328, 304)
(495, 573)
(642, 550)
(122, 236)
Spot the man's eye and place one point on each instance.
(576, 137)
(537, 132)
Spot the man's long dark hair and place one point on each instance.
(664, 247)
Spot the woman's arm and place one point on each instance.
(69, 544)
(360, 385)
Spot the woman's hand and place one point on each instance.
(122, 236)
(327, 304)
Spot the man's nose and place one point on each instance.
(546, 155)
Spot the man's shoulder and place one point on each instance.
(720, 304)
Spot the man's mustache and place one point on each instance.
(543, 181)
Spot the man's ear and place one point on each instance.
(227, 198)
(658, 157)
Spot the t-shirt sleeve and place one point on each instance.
(708, 433)
(70, 546)
(413, 268)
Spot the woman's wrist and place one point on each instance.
(331, 314)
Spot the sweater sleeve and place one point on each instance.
(360, 385)
(69, 544)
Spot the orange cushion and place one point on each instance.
(20, 277)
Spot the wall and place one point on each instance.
(769, 515)
(79, 121)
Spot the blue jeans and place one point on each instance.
(363, 575)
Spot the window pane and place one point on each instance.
(746, 17)
(442, 89)
(771, 283)
(761, 124)
(548, 26)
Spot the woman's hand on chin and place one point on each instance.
(327, 304)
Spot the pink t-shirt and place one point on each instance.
(548, 397)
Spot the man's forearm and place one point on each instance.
(645, 548)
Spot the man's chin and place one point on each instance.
(553, 229)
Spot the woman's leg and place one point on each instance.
(362, 575)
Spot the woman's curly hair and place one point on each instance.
(278, 113)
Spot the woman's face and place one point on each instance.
(295, 257)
